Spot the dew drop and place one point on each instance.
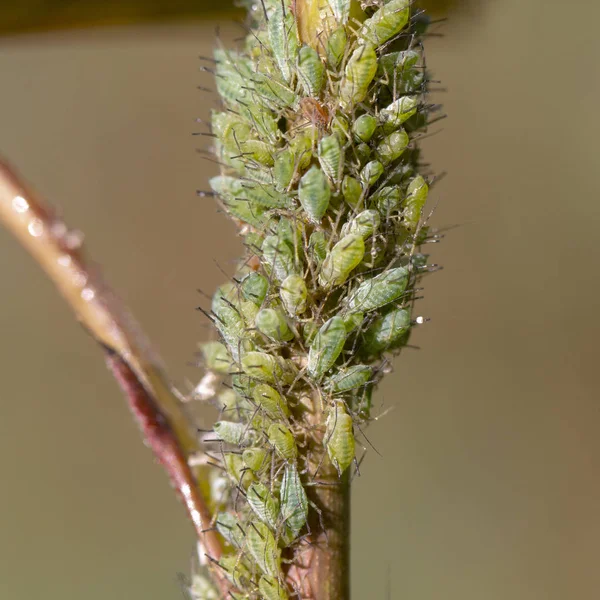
(36, 227)
(19, 204)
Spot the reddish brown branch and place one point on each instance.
(152, 399)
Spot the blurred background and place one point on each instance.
(488, 483)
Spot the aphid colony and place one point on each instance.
(317, 143)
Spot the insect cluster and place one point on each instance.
(320, 169)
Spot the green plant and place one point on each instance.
(323, 106)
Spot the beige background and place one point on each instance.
(488, 487)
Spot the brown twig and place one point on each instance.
(152, 399)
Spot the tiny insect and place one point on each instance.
(278, 256)
(339, 437)
(216, 357)
(330, 158)
(311, 72)
(358, 75)
(342, 259)
(283, 171)
(255, 458)
(283, 38)
(261, 366)
(371, 172)
(317, 247)
(281, 438)
(352, 191)
(416, 196)
(399, 111)
(341, 10)
(264, 505)
(234, 433)
(392, 146)
(386, 331)
(271, 589)
(364, 128)
(314, 193)
(273, 324)
(326, 347)
(386, 22)
(294, 503)
(229, 527)
(293, 294)
(254, 287)
(349, 378)
(270, 400)
(378, 291)
(336, 46)
(262, 546)
(235, 570)
(365, 224)
(387, 200)
(235, 468)
(315, 112)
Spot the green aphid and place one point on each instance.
(202, 588)
(341, 129)
(262, 546)
(289, 372)
(339, 437)
(341, 10)
(270, 400)
(317, 247)
(231, 432)
(314, 193)
(231, 130)
(243, 385)
(254, 287)
(293, 294)
(365, 224)
(259, 151)
(229, 527)
(283, 38)
(283, 171)
(342, 259)
(397, 112)
(256, 459)
(398, 65)
(265, 196)
(263, 122)
(274, 325)
(378, 291)
(371, 172)
(358, 75)
(386, 22)
(276, 92)
(249, 312)
(352, 191)
(336, 46)
(235, 570)
(302, 147)
(364, 128)
(281, 438)
(290, 231)
(416, 196)
(386, 331)
(216, 357)
(311, 72)
(330, 158)
(261, 366)
(271, 589)
(243, 210)
(387, 200)
(363, 152)
(352, 321)
(392, 146)
(264, 505)
(326, 347)
(236, 469)
(349, 378)
(278, 256)
(294, 503)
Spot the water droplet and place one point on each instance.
(88, 294)
(64, 260)
(19, 204)
(36, 227)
